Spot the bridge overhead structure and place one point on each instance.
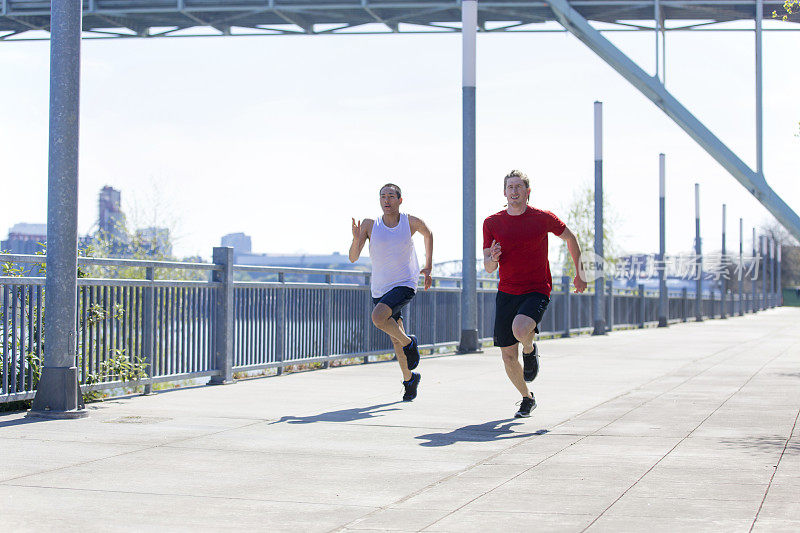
(172, 18)
(27, 19)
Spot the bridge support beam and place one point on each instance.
(663, 303)
(469, 289)
(698, 251)
(653, 89)
(599, 283)
(58, 394)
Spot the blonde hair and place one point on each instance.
(517, 174)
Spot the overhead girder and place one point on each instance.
(653, 89)
(16, 15)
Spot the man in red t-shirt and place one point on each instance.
(516, 240)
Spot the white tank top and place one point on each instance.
(394, 260)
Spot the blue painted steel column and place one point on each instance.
(698, 250)
(759, 92)
(57, 395)
(663, 310)
(724, 288)
(741, 267)
(599, 285)
(469, 294)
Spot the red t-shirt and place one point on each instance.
(524, 266)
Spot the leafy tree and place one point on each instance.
(118, 366)
(580, 219)
(790, 252)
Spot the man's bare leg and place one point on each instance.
(524, 328)
(382, 318)
(514, 369)
(401, 356)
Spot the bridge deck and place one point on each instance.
(678, 428)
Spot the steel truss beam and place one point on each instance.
(653, 89)
(148, 18)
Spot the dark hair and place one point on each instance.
(392, 186)
(517, 174)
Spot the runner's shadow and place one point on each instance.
(345, 415)
(486, 432)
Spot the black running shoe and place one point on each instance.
(412, 353)
(411, 387)
(530, 363)
(525, 407)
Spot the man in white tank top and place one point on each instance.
(395, 272)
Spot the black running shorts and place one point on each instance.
(396, 299)
(532, 304)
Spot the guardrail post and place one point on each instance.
(367, 316)
(610, 305)
(567, 309)
(778, 281)
(684, 296)
(280, 325)
(763, 241)
(434, 312)
(223, 316)
(149, 326)
(327, 341)
(642, 307)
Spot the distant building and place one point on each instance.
(110, 218)
(241, 244)
(25, 238)
(155, 241)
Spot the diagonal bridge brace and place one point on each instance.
(652, 88)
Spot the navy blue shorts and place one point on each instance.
(532, 304)
(397, 298)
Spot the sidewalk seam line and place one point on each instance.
(525, 440)
(684, 438)
(775, 471)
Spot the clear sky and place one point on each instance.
(287, 138)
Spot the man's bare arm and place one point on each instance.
(575, 252)
(360, 235)
(418, 225)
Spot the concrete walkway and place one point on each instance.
(690, 428)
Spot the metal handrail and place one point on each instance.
(103, 261)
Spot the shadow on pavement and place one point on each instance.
(18, 421)
(771, 444)
(486, 432)
(345, 415)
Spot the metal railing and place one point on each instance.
(180, 329)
